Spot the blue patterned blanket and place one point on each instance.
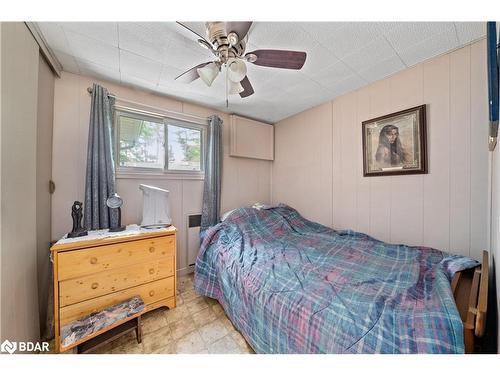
(290, 285)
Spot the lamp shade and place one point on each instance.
(235, 88)
(208, 73)
(236, 70)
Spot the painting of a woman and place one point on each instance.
(395, 144)
(390, 151)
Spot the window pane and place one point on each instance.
(184, 150)
(141, 143)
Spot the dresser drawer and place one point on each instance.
(98, 284)
(150, 293)
(83, 262)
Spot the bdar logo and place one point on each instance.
(9, 347)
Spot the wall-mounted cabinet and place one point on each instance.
(251, 139)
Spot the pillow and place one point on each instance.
(226, 214)
(262, 206)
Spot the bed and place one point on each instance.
(290, 285)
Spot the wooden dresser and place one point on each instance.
(97, 271)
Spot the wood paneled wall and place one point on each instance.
(318, 158)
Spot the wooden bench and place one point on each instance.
(102, 327)
(470, 289)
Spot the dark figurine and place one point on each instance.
(77, 215)
(114, 202)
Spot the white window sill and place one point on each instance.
(159, 176)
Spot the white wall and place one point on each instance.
(19, 84)
(318, 159)
(244, 181)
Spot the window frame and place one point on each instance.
(128, 171)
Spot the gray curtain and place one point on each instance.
(213, 167)
(100, 177)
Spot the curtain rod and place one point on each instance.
(204, 119)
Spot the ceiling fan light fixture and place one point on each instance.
(208, 73)
(236, 70)
(235, 88)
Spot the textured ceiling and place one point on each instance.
(341, 57)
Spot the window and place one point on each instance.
(158, 144)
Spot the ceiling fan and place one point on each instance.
(227, 41)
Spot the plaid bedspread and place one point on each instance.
(290, 285)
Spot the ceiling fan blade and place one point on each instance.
(240, 28)
(188, 33)
(274, 58)
(186, 27)
(191, 74)
(247, 86)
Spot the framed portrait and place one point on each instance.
(395, 144)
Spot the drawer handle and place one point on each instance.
(94, 285)
(151, 271)
(151, 249)
(152, 293)
(93, 260)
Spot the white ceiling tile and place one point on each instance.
(262, 33)
(144, 41)
(317, 58)
(140, 67)
(378, 50)
(408, 34)
(168, 75)
(434, 46)
(470, 31)
(129, 80)
(352, 37)
(93, 50)
(106, 32)
(306, 88)
(321, 31)
(382, 69)
(331, 75)
(68, 62)
(88, 68)
(348, 84)
(54, 36)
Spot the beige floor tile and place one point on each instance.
(189, 295)
(180, 312)
(203, 317)
(191, 343)
(196, 305)
(242, 343)
(218, 309)
(182, 327)
(156, 340)
(213, 332)
(226, 323)
(154, 320)
(128, 338)
(225, 345)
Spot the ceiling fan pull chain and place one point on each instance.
(227, 95)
